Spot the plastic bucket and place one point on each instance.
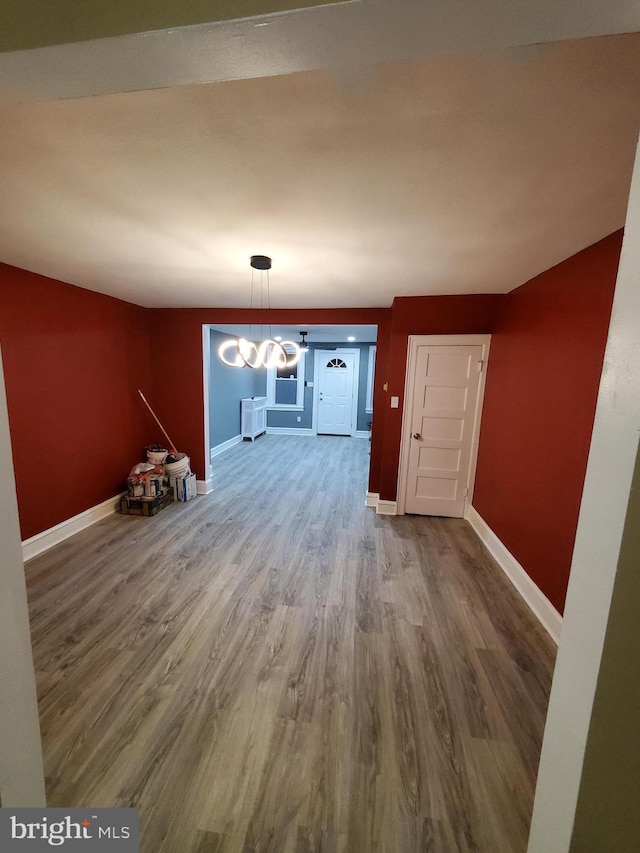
(178, 468)
(156, 457)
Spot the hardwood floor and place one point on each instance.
(274, 667)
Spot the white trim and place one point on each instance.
(41, 542)
(371, 499)
(20, 744)
(584, 723)
(532, 595)
(289, 431)
(306, 431)
(453, 340)
(355, 388)
(412, 353)
(204, 487)
(386, 507)
(206, 395)
(224, 445)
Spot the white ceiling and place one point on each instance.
(315, 334)
(456, 173)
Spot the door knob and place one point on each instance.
(417, 435)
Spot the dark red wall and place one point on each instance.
(73, 361)
(177, 364)
(177, 361)
(544, 371)
(419, 315)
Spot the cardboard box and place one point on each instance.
(184, 488)
(145, 506)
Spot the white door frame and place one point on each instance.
(205, 486)
(22, 782)
(206, 391)
(356, 386)
(416, 341)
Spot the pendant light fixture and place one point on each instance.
(241, 352)
(304, 347)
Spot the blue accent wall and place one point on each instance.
(228, 386)
(364, 419)
(288, 419)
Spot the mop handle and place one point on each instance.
(146, 402)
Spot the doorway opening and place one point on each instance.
(314, 398)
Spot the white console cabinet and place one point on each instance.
(254, 417)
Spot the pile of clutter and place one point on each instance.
(152, 485)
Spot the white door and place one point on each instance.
(444, 399)
(335, 377)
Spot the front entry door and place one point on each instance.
(335, 379)
(443, 416)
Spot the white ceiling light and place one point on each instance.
(241, 352)
(351, 338)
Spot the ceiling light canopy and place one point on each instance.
(260, 262)
(242, 352)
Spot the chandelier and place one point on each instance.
(242, 352)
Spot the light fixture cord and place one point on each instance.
(261, 303)
(252, 297)
(269, 304)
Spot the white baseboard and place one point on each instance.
(225, 445)
(386, 507)
(361, 433)
(204, 487)
(381, 507)
(41, 542)
(533, 596)
(289, 431)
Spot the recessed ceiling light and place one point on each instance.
(351, 338)
(277, 337)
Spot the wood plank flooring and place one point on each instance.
(276, 668)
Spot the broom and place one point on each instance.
(172, 447)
